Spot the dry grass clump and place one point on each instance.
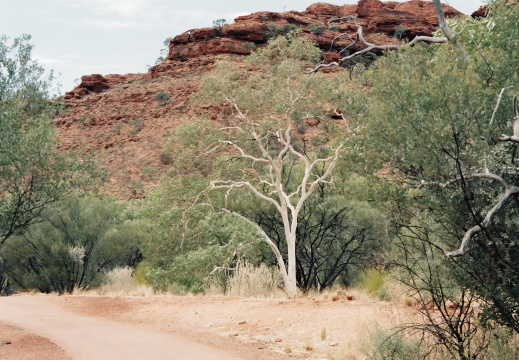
(259, 282)
(398, 293)
(309, 345)
(121, 283)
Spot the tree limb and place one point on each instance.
(509, 193)
(449, 36)
(515, 121)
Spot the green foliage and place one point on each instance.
(316, 29)
(334, 237)
(214, 240)
(273, 30)
(162, 98)
(76, 241)
(334, 27)
(166, 157)
(287, 28)
(428, 114)
(399, 31)
(393, 346)
(33, 174)
(219, 23)
(247, 46)
(230, 46)
(372, 281)
(503, 345)
(270, 91)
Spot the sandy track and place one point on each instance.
(200, 327)
(84, 336)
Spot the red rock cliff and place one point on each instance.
(377, 18)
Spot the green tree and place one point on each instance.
(76, 242)
(33, 174)
(439, 126)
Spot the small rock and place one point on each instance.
(350, 298)
(234, 334)
(279, 340)
(334, 344)
(242, 322)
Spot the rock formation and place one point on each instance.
(321, 22)
(124, 118)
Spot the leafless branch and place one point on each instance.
(509, 193)
(369, 47)
(490, 126)
(515, 121)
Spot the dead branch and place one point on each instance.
(372, 47)
(515, 122)
(509, 193)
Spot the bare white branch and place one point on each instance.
(490, 126)
(509, 193)
(270, 243)
(369, 47)
(515, 122)
(489, 176)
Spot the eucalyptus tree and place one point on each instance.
(33, 173)
(264, 101)
(443, 116)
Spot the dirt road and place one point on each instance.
(192, 327)
(88, 337)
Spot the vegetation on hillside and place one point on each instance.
(401, 172)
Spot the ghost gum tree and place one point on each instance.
(265, 100)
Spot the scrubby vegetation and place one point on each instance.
(395, 178)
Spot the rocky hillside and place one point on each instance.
(123, 119)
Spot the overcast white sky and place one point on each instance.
(80, 37)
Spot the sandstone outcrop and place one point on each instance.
(321, 22)
(96, 83)
(125, 118)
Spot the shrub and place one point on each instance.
(400, 31)
(285, 29)
(302, 128)
(117, 128)
(372, 281)
(75, 242)
(385, 345)
(166, 158)
(162, 98)
(334, 27)
(148, 171)
(316, 29)
(273, 30)
(138, 125)
(247, 46)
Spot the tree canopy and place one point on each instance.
(33, 173)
